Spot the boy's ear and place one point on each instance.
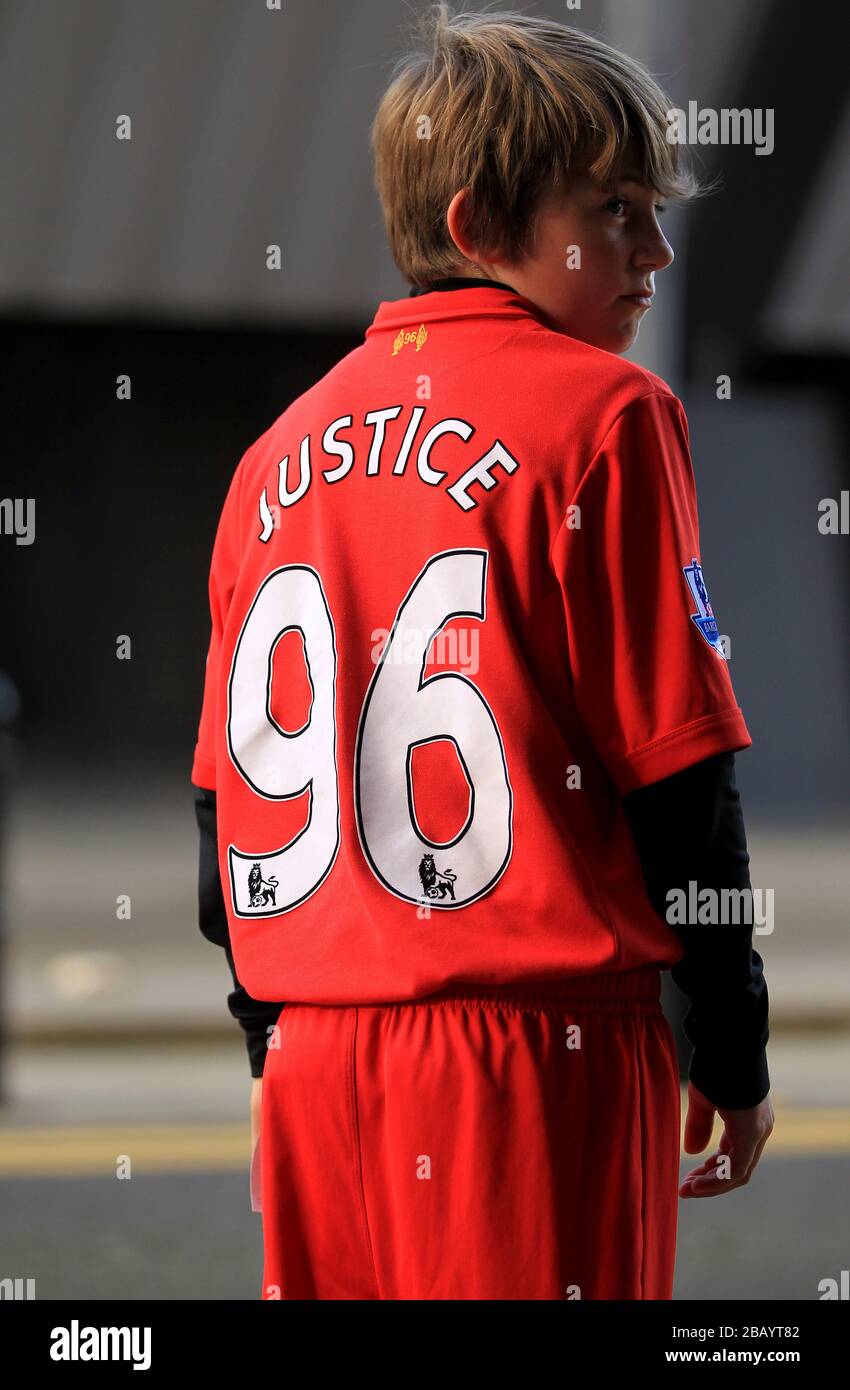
(457, 219)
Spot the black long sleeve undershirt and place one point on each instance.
(256, 1016)
(687, 828)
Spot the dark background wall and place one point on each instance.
(127, 500)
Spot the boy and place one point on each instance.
(467, 722)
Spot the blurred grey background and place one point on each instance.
(147, 257)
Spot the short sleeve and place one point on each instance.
(651, 683)
(224, 568)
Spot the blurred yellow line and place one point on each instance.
(797, 1130)
(93, 1150)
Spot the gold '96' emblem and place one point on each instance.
(416, 336)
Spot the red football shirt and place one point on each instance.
(457, 612)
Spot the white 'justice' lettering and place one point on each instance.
(478, 474)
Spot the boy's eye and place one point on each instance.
(614, 203)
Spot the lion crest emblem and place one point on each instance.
(261, 891)
(436, 883)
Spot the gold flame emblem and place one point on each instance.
(404, 337)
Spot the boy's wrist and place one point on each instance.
(731, 1082)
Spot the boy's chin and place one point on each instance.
(619, 340)
(611, 337)
(612, 342)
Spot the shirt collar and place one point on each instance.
(461, 282)
(475, 299)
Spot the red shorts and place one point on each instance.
(492, 1142)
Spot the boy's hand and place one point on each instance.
(256, 1104)
(744, 1136)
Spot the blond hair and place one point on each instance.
(507, 105)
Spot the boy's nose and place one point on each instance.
(660, 253)
(656, 256)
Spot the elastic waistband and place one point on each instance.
(639, 988)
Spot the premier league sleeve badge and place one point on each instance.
(704, 616)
